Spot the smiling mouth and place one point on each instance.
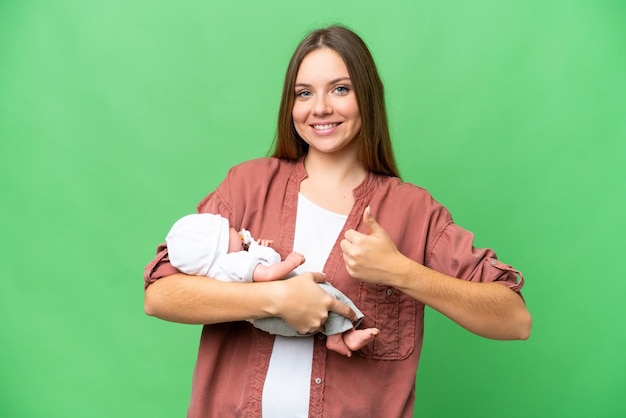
(325, 126)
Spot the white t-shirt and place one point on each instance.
(288, 382)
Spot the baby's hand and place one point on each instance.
(265, 242)
(295, 258)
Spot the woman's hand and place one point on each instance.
(487, 309)
(302, 303)
(372, 257)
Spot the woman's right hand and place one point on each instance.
(302, 303)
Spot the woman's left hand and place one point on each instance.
(372, 257)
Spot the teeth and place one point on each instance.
(325, 126)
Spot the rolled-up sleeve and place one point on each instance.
(159, 267)
(454, 254)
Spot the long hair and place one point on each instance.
(375, 151)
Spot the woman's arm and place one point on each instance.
(487, 309)
(201, 300)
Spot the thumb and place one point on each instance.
(369, 221)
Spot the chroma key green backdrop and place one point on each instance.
(117, 117)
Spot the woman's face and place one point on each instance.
(325, 112)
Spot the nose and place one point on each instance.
(322, 105)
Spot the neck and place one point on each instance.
(331, 180)
(332, 170)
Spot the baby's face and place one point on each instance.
(234, 243)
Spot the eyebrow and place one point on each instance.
(335, 81)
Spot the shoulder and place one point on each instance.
(261, 166)
(249, 178)
(398, 201)
(396, 190)
(257, 175)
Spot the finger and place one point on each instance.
(342, 309)
(345, 245)
(318, 276)
(352, 236)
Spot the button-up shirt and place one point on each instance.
(379, 381)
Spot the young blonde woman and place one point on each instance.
(331, 190)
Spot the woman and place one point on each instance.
(331, 191)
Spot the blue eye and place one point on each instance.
(342, 90)
(303, 94)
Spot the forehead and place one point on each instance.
(322, 64)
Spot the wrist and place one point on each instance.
(401, 272)
(272, 295)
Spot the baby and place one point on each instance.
(205, 245)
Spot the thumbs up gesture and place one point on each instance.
(372, 256)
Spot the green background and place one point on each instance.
(117, 117)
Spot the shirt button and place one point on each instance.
(318, 380)
(389, 292)
(320, 336)
(494, 262)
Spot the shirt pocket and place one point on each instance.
(395, 315)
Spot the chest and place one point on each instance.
(338, 198)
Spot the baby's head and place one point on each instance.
(203, 236)
(195, 242)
